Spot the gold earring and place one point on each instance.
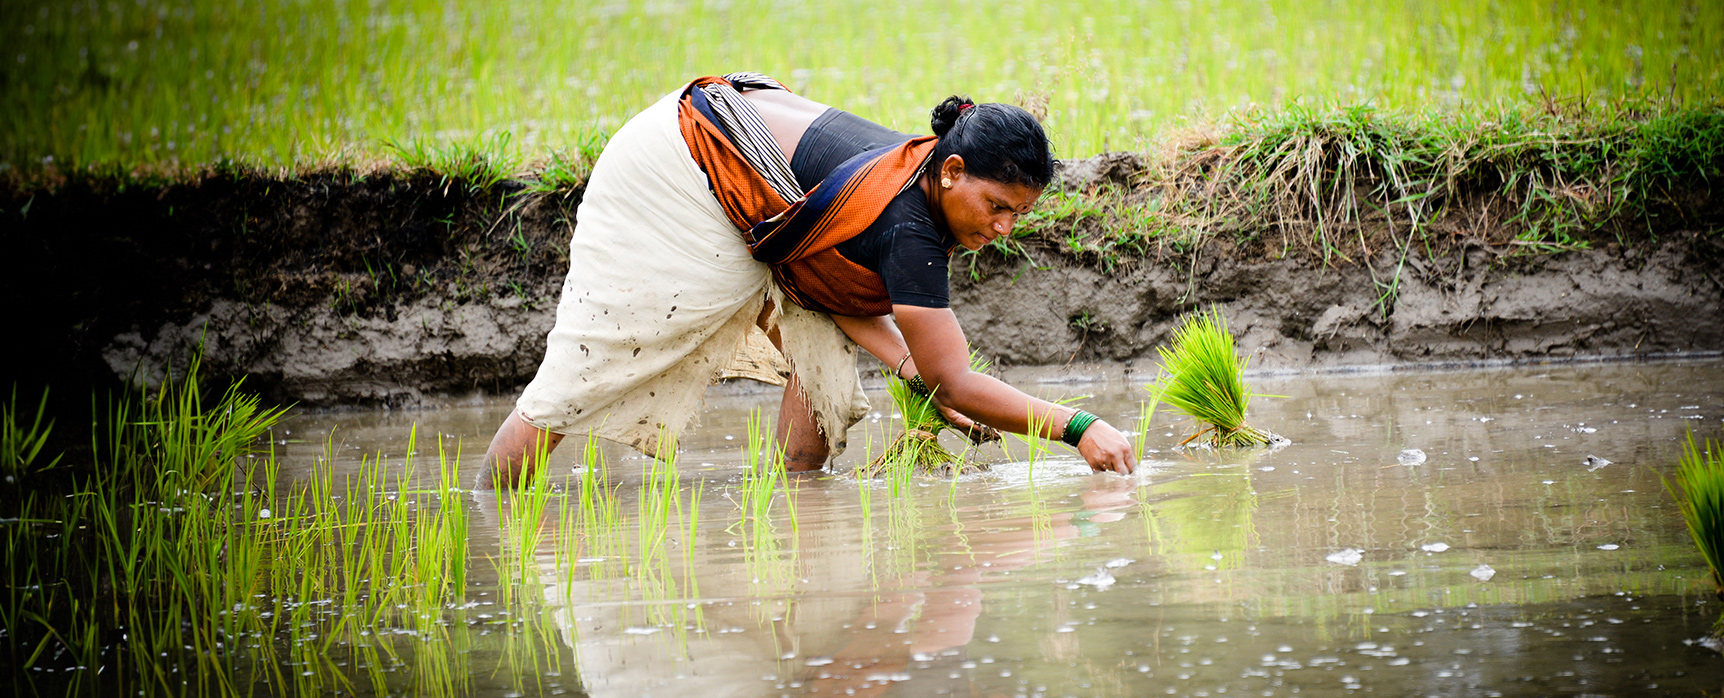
(947, 183)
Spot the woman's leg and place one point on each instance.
(515, 452)
(798, 436)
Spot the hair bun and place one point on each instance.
(945, 116)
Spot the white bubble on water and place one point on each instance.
(1119, 562)
(1609, 546)
(1349, 556)
(263, 513)
(1434, 547)
(1594, 462)
(1100, 580)
(1411, 456)
(1483, 573)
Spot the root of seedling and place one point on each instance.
(920, 451)
(1246, 436)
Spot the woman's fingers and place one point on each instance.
(1104, 448)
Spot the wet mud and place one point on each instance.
(401, 290)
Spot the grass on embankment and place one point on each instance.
(1348, 184)
(1338, 182)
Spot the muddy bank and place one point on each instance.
(1607, 302)
(337, 287)
(384, 289)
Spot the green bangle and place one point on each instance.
(1076, 427)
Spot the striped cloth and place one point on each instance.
(795, 234)
(748, 132)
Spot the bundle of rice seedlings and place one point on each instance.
(918, 449)
(1699, 493)
(1204, 378)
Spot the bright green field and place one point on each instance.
(296, 82)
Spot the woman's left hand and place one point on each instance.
(1104, 448)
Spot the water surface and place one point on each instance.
(1506, 563)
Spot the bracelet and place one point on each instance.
(1076, 427)
(917, 386)
(899, 372)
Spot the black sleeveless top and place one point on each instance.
(903, 246)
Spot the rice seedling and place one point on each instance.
(917, 448)
(1145, 412)
(765, 478)
(527, 508)
(1699, 493)
(1203, 377)
(660, 492)
(769, 565)
(20, 446)
(1035, 444)
(691, 529)
(180, 540)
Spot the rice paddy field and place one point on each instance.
(189, 82)
(1496, 532)
(1505, 530)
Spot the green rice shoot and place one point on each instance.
(918, 448)
(1204, 378)
(1699, 493)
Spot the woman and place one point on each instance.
(855, 224)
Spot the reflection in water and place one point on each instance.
(1224, 567)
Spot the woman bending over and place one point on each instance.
(732, 204)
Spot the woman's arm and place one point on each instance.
(933, 336)
(880, 337)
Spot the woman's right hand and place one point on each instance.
(1105, 449)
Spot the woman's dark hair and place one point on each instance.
(997, 141)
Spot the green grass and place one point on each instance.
(1356, 183)
(1203, 377)
(1699, 493)
(289, 84)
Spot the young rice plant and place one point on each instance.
(1204, 378)
(1699, 493)
(918, 448)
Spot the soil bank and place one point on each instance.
(342, 288)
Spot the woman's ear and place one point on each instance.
(952, 168)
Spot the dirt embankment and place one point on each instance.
(342, 288)
(329, 289)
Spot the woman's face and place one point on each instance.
(979, 210)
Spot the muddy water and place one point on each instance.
(1505, 563)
